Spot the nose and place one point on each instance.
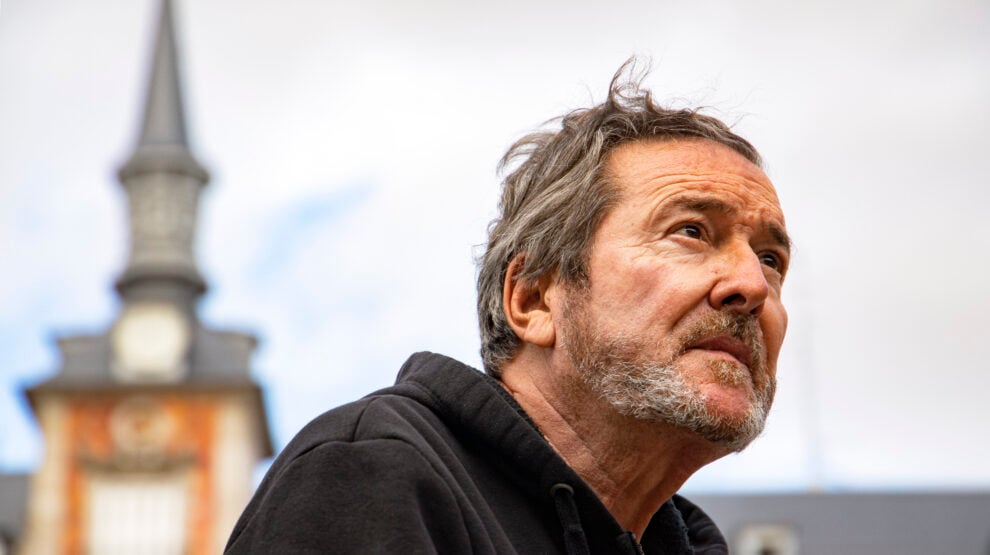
(742, 286)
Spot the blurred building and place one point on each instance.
(153, 428)
(853, 523)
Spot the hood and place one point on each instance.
(463, 397)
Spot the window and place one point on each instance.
(137, 514)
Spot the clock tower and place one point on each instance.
(152, 428)
(152, 338)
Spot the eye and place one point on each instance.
(771, 260)
(694, 231)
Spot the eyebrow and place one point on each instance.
(705, 204)
(780, 237)
(700, 204)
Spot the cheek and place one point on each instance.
(774, 324)
(647, 294)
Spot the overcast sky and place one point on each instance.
(353, 150)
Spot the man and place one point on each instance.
(631, 320)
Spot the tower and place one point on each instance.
(152, 428)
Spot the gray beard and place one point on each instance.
(613, 369)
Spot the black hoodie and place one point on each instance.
(444, 461)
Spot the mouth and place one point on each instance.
(726, 344)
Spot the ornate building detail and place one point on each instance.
(141, 428)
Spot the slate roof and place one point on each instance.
(13, 499)
(218, 357)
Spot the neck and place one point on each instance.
(633, 465)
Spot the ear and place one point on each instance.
(527, 306)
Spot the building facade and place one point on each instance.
(153, 428)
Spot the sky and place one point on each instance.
(353, 150)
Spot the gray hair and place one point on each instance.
(554, 199)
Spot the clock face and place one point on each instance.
(150, 342)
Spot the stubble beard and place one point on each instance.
(615, 369)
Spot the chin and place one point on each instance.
(729, 403)
(734, 423)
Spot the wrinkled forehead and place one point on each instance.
(654, 170)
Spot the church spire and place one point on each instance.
(162, 144)
(164, 121)
(163, 182)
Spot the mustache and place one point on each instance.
(744, 327)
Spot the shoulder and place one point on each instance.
(383, 424)
(350, 474)
(375, 430)
(357, 476)
(388, 472)
(384, 415)
(369, 496)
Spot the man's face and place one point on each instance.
(681, 321)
